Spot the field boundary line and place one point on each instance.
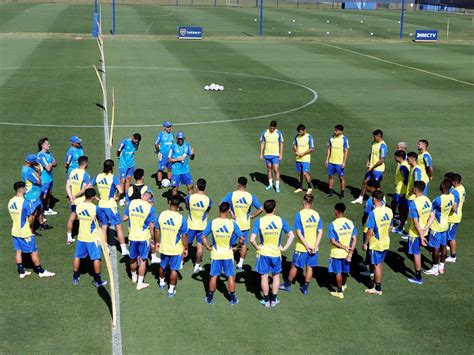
(398, 64)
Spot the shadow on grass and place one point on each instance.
(204, 277)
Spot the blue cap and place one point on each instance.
(75, 139)
(167, 124)
(31, 158)
(180, 135)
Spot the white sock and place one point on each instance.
(140, 279)
(162, 281)
(196, 266)
(123, 247)
(441, 265)
(134, 273)
(69, 236)
(360, 198)
(435, 267)
(277, 184)
(270, 182)
(241, 262)
(171, 288)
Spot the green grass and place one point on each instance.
(53, 83)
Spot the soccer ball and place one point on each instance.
(289, 32)
(206, 87)
(165, 183)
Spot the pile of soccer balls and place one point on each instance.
(214, 87)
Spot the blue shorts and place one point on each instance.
(139, 249)
(374, 175)
(83, 249)
(438, 239)
(163, 164)
(268, 264)
(377, 257)
(25, 245)
(400, 200)
(73, 208)
(303, 259)
(246, 235)
(194, 234)
(47, 188)
(126, 172)
(271, 159)
(226, 265)
(338, 266)
(35, 204)
(414, 245)
(302, 167)
(173, 261)
(334, 169)
(112, 215)
(183, 179)
(453, 229)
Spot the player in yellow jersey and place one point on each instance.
(241, 202)
(269, 230)
(438, 224)
(172, 241)
(420, 211)
(24, 241)
(271, 150)
(424, 158)
(336, 159)
(375, 163)
(342, 234)
(309, 230)
(303, 146)
(198, 205)
(76, 185)
(379, 226)
(88, 244)
(225, 234)
(459, 193)
(141, 216)
(399, 200)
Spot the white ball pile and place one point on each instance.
(214, 87)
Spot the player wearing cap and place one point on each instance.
(179, 156)
(336, 158)
(375, 163)
(48, 163)
(225, 234)
(163, 142)
(88, 245)
(73, 153)
(172, 241)
(271, 150)
(126, 154)
(141, 214)
(76, 185)
(24, 241)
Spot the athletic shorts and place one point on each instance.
(400, 200)
(246, 235)
(173, 261)
(438, 239)
(219, 266)
(126, 172)
(25, 245)
(271, 159)
(163, 164)
(302, 167)
(338, 266)
(425, 191)
(84, 249)
(377, 257)
(35, 204)
(374, 175)
(181, 179)
(112, 215)
(268, 264)
(414, 246)
(453, 229)
(335, 169)
(46, 188)
(73, 208)
(194, 234)
(303, 259)
(139, 249)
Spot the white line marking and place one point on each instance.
(398, 64)
(149, 26)
(312, 101)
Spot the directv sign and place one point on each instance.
(190, 33)
(426, 36)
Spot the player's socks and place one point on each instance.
(277, 184)
(240, 263)
(270, 182)
(210, 295)
(76, 275)
(38, 269)
(330, 192)
(97, 278)
(378, 286)
(172, 291)
(69, 236)
(162, 283)
(134, 276)
(339, 289)
(342, 194)
(441, 268)
(418, 275)
(266, 298)
(233, 298)
(20, 268)
(124, 249)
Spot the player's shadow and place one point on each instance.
(251, 279)
(397, 263)
(322, 277)
(290, 181)
(259, 177)
(320, 185)
(168, 194)
(354, 191)
(53, 201)
(204, 276)
(426, 263)
(356, 270)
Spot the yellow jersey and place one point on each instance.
(379, 151)
(89, 216)
(199, 206)
(241, 203)
(269, 230)
(425, 161)
(225, 234)
(20, 210)
(78, 178)
(401, 178)
(272, 142)
(302, 144)
(420, 208)
(337, 145)
(172, 227)
(441, 207)
(380, 221)
(141, 214)
(343, 231)
(107, 185)
(309, 223)
(416, 174)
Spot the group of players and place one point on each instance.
(432, 224)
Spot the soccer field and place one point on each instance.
(409, 90)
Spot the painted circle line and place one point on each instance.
(312, 101)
